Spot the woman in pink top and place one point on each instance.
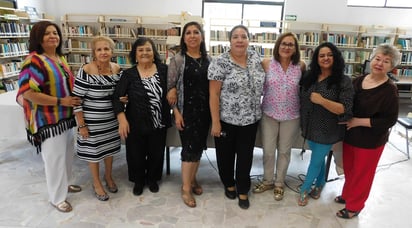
(280, 106)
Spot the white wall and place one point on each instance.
(330, 11)
(124, 7)
(336, 11)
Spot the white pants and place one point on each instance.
(58, 153)
(277, 136)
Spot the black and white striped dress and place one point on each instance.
(96, 92)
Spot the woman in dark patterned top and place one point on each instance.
(187, 77)
(144, 120)
(326, 99)
(375, 111)
(236, 86)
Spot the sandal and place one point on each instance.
(347, 214)
(303, 199)
(315, 193)
(63, 206)
(188, 199)
(197, 189)
(339, 199)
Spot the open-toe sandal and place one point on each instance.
(303, 199)
(63, 207)
(347, 214)
(188, 199)
(315, 192)
(339, 199)
(197, 189)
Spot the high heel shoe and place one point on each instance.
(103, 197)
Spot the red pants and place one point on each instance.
(359, 165)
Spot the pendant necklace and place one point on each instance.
(100, 69)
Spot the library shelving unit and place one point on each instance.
(263, 34)
(15, 28)
(79, 29)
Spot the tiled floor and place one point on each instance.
(24, 203)
(23, 196)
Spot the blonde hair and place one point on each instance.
(101, 38)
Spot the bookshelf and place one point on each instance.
(79, 29)
(15, 28)
(263, 35)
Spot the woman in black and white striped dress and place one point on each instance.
(98, 138)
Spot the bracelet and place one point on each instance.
(58, 101)
(82, 126)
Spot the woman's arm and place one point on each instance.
(332, 106)
(172, 76)
(44, 99)
(214, 102)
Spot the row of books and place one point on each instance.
(260, 37)
(13, 49)
(406, 58)
(79, 30)
(374, 41)
(263, 51)
(10, 85)
(404, 72)
(308, 38)
(405, 44)
(73, 44)
(79, 58)
(342, 40)
(13, 29)
(10, 69)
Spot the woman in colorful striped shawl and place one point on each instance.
(45, 87)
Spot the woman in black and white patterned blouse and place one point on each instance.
(146, 117)
(236, 86)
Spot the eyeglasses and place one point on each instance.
(287, 45)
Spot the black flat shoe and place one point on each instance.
(244, 203)
(231, 194)
(154, 187)
(137, 189)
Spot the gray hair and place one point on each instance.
(388, 49)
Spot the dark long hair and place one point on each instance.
(202, 44)
(338, 68)
(140, 42)
(36, 37)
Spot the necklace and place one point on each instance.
(198, 61)
(101, 70)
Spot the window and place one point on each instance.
(381, 3)
(227, 13)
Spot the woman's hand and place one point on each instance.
(70, 101)
(180, 124)
(84, 132)
(316, 98)
(124, 127)
(172, 96)
(216, 129)
(124, 99)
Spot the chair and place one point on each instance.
(407, 124)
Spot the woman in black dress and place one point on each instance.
(188, 95)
